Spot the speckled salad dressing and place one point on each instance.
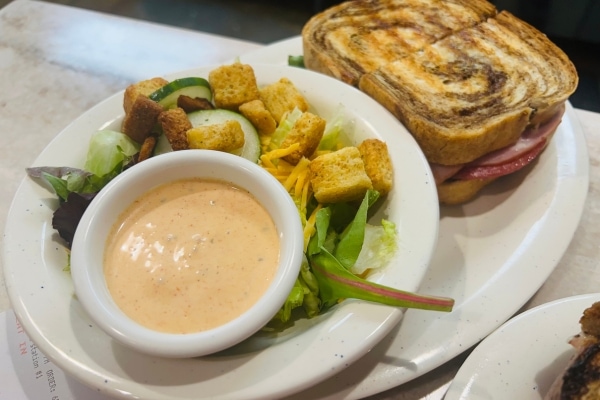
(191, 255)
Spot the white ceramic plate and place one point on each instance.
(492, 256)
(42, 293)
(523, 357)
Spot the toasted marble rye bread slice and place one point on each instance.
(477, 90)
(355, 37)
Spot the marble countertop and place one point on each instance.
(52, 72)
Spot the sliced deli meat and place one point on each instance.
(442, 173)
(531, 138)
(506, 160)
(493, 171)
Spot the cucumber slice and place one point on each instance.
(251, 148)
(193, 87)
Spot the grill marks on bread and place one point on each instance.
(475, 91)
(482, 71)
(357, 37)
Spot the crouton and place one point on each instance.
(147, 148)
(259, 116)
(307, 131)
(339, 176)
(233, 85)
(281, 98)
(145, 88)
(227, 136)
(141, 118)
(175, 124)
(378, 164)
(191, 104)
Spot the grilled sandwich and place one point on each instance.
(481, 91)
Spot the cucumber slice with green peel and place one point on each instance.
(251, 148)
(193, 87)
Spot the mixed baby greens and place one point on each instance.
(334, 249)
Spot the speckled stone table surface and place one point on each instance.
(56, 62)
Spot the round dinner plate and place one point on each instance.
(522, 358)
(493, 254)
(265, 366)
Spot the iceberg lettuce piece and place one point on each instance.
(378, 248)
(284, 127)
(333, 131)
(108, 149)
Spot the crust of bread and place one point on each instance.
(355, 37)
(461, 191)
(475, 92)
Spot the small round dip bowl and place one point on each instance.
(89, 246)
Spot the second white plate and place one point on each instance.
(523, 357)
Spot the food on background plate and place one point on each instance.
(333, 182)
(481, 91)
(580, 380)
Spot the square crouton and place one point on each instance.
(175, 124)
(281, 98)
(378, 164)
(307, 131)
(145, 88)
(259, 116)
(227, 136)
(339, 176)
(141, 118)
(233, 85)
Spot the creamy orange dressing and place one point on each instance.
(191, 255)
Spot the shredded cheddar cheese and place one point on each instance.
(301, 182)
(300, 168)
(280, 153)
(294, 178)
(309, 228)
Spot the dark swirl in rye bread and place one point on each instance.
(356, 37)
(463, 79)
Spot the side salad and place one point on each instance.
(273, 126)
